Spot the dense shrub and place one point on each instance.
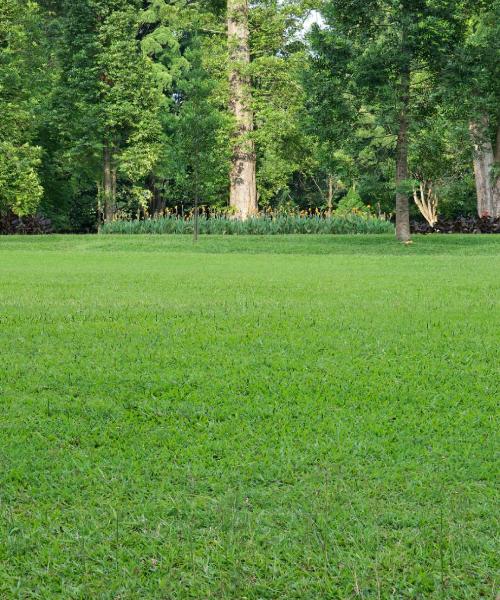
(262, 225)
(459, 225)
(33, 225)
(352, 203)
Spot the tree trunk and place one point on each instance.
(100, 212)
(243, 186)
(113, 188)
(107, 184)
(426, 201)
(402, 203)
(496, 183)
(329, 198)
(497, 148)
(156, 205)
(487, 187)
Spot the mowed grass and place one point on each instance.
(249, 418)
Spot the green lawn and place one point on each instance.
(251, 418)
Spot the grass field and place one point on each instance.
(251, 418)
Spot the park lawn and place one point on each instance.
(296, 417)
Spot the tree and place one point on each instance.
(279, 59)
(383, 46)
(106, 108)
(189, 54)
(243, 184)
(20, 189)
(130, 101)
(486, 162)
(197, 158)
(439, 161)
(477, 94)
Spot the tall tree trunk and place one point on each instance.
(402, 203)
(497, 147)
(487, 190)
(107, 183)
(243, 186)
(496, 183)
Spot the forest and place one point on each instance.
(126, 110)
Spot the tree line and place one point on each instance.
(121, 109)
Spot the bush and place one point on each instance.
(20, 189)
(34, 225)
(351, 204)
(261, 225)
(459, 225)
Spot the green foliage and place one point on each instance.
(352, 203)
(148, 79)
(473, 78)
(20, 189)
(264, 225)
(195, 162)
(354, 85)
(130, 98)
(279, 59)
(286, 417)
(106, 93)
